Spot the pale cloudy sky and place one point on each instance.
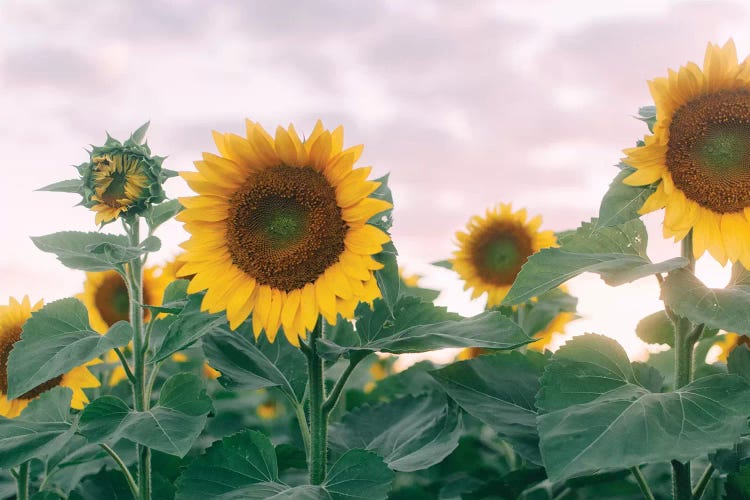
(465, 103)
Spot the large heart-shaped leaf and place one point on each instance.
(410, 433)
(89, 251)
(616, 253)
(499, 390)
(42, 428)
(593, 403)
(56, 339)
(172, 426)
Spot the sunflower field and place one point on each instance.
(262, 362)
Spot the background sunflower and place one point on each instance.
(12, 318)
(493, 248)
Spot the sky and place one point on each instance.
(466, 104)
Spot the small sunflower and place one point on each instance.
(280, 229)
(493, 249)
(699, 155)
(12, 318)
(121, 179)
(408, 280)
(471, 353)
(268, 410)
(209, 372)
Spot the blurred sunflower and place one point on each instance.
(268, 410)
(729, 341)
(699, 155)
(554, 327)
(105, 295)
(493, 249)
(280, 229)
(12, 318)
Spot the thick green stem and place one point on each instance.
(683, 369)
(318, 417)
(141, 400)
(22, 481)
(638, 475)
(700, 488)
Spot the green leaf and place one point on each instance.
(56, 339)
(245, 364)
(737, 486)
(420, 326)
(738, 361)
(150, 244)
(67, 186)
(647, 114)
(359, 475)
(190, 325)
(175, 298)
(139, 135)
(172, 426)
(156, 215)
(383, 220)
(617, 254)
(410, 433)
(656, 328)
(88, 251)
(499, 390)
(236, 461)
(446, 264)
(41, 429)
(595, 397)
(726, 309)
(538, 315)
(243, 466)
(622, 202)
(388, 279)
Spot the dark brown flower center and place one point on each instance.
(500, 250)
(111, 299)
(285, 227)
(709, 150)
(7, 339)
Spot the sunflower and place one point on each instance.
(268, 410)
(554, 327)
(12, 318)
(408, 280)
(494, 248)
(280, 229)
(699, 155)
(105, 295)
(729, 341)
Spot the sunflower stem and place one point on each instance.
(135, 286)
(645, 489)
(333, 398)
(22, 481)
(124, 468)
(683, 348)
(318, 416)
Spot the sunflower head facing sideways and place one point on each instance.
(12, 318)
(698, 157)
(280, 229)
(493, 249)
(122, 179)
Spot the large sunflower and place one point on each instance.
(12, 318)
(493, 249)
(699, 155)
(280, 229)
(728, 342)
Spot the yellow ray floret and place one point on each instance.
(280, 229)
(698, 156)
(493, 248)
(12, 318)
